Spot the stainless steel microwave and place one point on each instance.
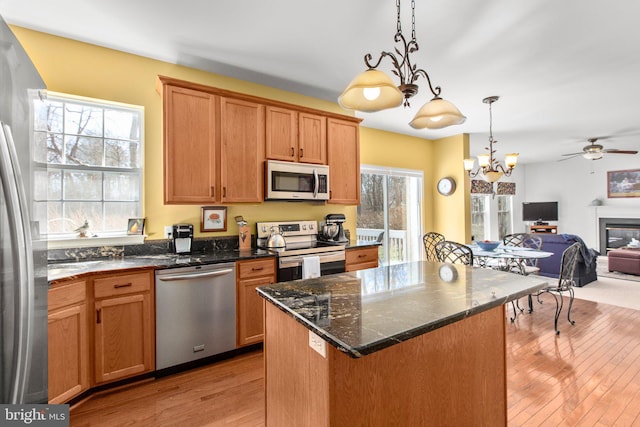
(296, 181)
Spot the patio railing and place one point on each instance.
(397, 242)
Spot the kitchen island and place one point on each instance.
(415, 344)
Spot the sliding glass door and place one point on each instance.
(390, 212)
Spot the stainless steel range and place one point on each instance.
(301, 240)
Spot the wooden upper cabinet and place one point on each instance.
(190, 155)
(295, 136)
(282, 134)
(242, 136)
(343, 153)
(312, 139)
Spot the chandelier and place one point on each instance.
(374, 90)
(491, 169)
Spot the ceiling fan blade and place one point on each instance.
(568, 158)
(614, 151)
(574, 154)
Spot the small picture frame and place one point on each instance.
(214, 218)
(135, 226)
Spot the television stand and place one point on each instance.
(553, 229)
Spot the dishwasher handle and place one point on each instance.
(189, 276)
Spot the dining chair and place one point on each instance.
(453, 252)
(530, 265)
(430, 240)
(515, 239)
(565, 283)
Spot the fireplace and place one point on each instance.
(617, 232)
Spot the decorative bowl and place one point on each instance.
(488, 245)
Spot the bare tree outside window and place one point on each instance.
(93, 164)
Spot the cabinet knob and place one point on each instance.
(212, 192)
(98, 317)
(293, 152)
(301, 152)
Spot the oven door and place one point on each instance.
(290, 267)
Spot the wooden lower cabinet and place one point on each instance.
(124, 331)
(68, 341)
(250, 313)
(361, 258)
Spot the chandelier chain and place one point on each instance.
(398, 24)
(413, 20)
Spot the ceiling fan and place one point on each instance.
(595, 151)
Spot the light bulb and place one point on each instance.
(371, 93)
(436, 118)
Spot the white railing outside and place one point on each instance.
(397, 243)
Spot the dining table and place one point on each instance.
(508, 258)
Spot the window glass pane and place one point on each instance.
(55, 221)
(505, 223)
(121, 154)
(76, 213)
(479, 219)
(82, 185)
(119, 124)
(82, 120)
(390, 202)
(83, 151)
(48, 147)
(116, 215)
(48, 116)
(121, 186)
(40, 185)
(54, 184)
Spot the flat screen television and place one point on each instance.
(539, 211)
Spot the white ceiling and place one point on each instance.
(565, 70)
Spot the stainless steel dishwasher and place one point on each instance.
(195, 313)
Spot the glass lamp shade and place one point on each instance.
(511, 160)
(492, 176)
(484, 160)
(436, 114)
(593, 155)
(468, 164)
(371, 91)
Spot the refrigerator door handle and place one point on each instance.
(20, 230)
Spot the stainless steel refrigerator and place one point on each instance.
(23, 281)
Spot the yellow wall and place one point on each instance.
(452, 214)
(82, 69)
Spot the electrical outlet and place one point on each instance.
(318, 344)
(167, 231)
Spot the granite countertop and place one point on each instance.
(67, 270)
(365, 311)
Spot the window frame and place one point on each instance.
(112, 237)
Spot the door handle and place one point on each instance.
(189, 276)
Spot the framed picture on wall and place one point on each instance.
(214, 218)
(624, 183)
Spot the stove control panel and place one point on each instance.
(287, 228)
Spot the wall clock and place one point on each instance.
(446, 186)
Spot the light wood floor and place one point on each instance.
(589, 375)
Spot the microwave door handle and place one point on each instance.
(316, 183)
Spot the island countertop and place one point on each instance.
(366, 311)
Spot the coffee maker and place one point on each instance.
(339, 220)
(182, 238)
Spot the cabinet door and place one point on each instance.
(343, 153)
(250, 311)
(281, 134)
(242, 157)
(190, 140)
(312, 140)
(124, 344)
(68, 353)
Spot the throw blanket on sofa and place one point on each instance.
(588, 254)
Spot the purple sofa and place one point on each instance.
(557, 243)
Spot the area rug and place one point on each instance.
(603, 270)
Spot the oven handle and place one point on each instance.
(292, 261)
